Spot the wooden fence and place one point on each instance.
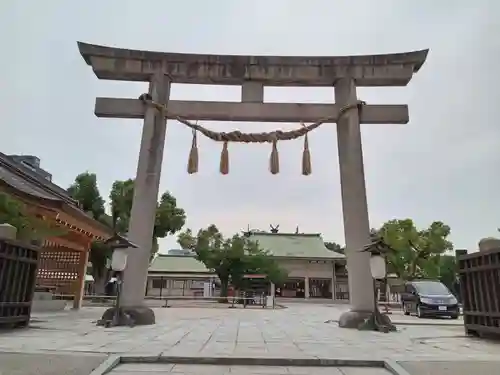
(480, 290)
(18, 268)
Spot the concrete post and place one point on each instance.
(354, 207)
(145, 199)
(8, 232)
(334, 279)
(306, 287)
(252, 92)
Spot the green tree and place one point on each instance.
(29, 227)
(333, 246)
(448, 271)
(169, 218)
(417, 251)
(230, 258)
(121, 198)
(13, 212)
(86, 192)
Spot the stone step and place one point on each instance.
(183, 369)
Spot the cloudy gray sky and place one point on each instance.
(443, 165)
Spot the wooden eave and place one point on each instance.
(60, 243)
(78, 221)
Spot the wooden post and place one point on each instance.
(80, 285)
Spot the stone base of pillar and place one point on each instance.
(141, 315)
(353, 319)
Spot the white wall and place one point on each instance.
(303, 268)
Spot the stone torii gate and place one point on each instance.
(252, 73)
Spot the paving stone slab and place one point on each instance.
(451, 367)
(49, 364)
(297, 332)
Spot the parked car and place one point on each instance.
(429, 298)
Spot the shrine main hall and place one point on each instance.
(313, 270)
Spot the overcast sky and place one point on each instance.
(443, 165)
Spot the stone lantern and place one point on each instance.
(115, 316)
(379, 251)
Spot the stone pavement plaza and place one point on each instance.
(298, 331)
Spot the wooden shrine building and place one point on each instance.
(64, 255)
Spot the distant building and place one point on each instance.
(313, 270)
(181, 252)
(32, 163)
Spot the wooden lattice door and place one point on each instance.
(60, 270)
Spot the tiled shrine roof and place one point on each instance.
(177, 263)
(280, 245)
(22, 179)
(293, 245)
(27, 183)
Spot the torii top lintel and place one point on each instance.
(369, 70)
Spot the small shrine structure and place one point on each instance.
(65, 252)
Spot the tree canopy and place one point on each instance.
(120, 200)
(448, 271)
(417, 251)
(85, 191)
(333, 246)
(29, 227)
(230, 258)
(169, 218)
(12, 212)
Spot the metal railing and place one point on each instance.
(480, 290)
(18, 270)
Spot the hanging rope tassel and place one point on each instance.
(224, 159)
(193, 156)
(274, 162)
(306, 158)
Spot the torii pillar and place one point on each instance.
(354, 209)
(252, 73)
